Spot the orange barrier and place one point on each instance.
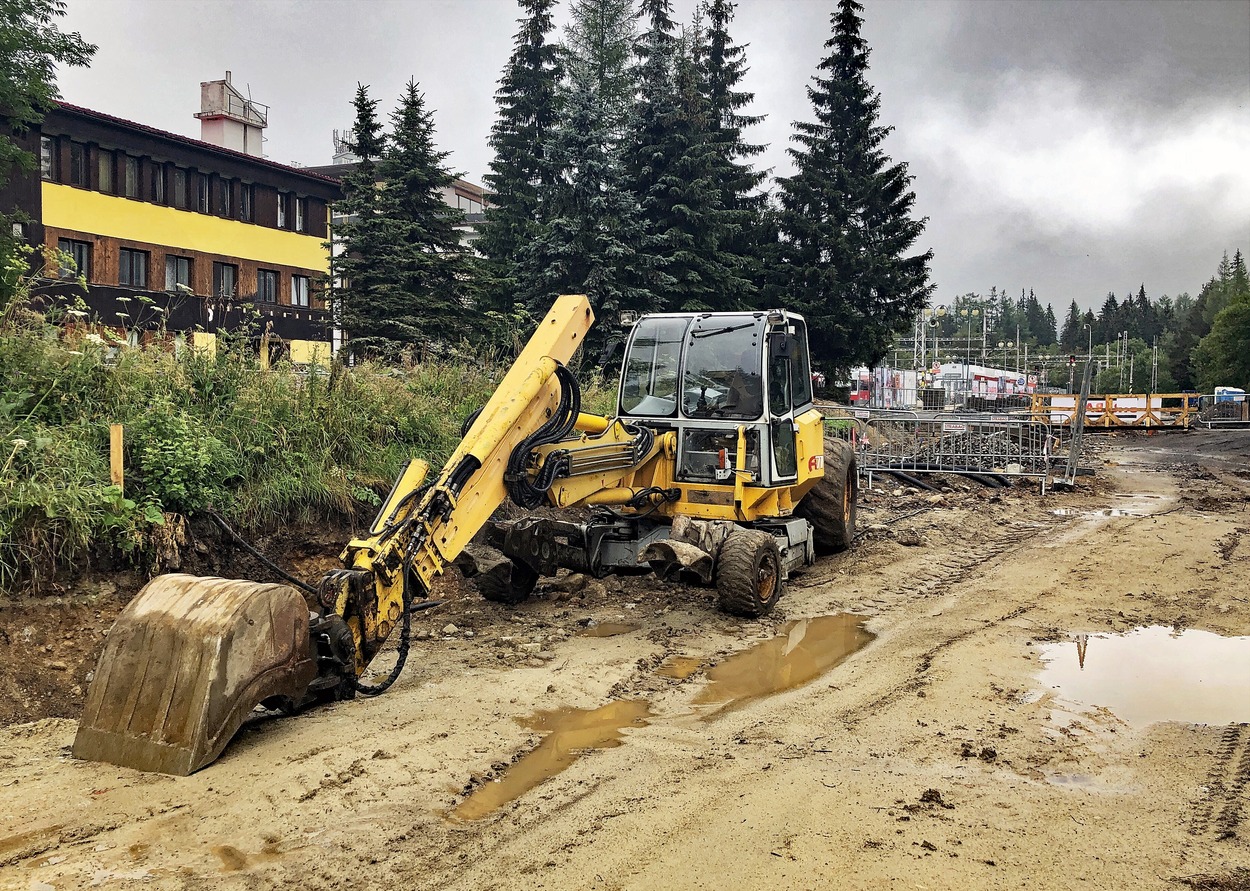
(1172, 410)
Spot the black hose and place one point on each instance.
(911, 480)
(530, 494)
(259, 556)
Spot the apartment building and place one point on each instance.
(214, 237)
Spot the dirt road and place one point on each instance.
(931, 733)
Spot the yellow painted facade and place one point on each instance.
(204, 342)
(310, 352)
(65, 207)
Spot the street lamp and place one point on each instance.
(1006, 347)
(969, 315)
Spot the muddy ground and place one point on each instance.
(916, 744)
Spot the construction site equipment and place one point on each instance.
(714, 469)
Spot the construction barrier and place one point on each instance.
(1175, 410)
(1007, 447)
(1223, 410)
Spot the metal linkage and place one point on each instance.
(1009, 447)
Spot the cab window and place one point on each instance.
(649, 378)
(724, 362)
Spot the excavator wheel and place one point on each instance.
(748, 573)
(184, 665)
(830, 505)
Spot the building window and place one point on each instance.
(132, 268)
(80, 254)
(77, 164)
(299, 290)
(180, 188)
(224, 277)
(104, 166)
(281, 211)
(130, 188)
(177, 272)
(47, 158)
(245, 202)
(158, 183)
(223, 197)
(203, 204)
(299, 214)
(267, 286)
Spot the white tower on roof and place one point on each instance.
(231, 120)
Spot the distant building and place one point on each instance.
(204, 229)
(461, 195)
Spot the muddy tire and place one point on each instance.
(748, 573)
(507, 582)
(830, 505)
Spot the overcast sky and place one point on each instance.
(1073, 147)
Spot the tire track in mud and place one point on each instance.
(960, 567)
(1220, 808)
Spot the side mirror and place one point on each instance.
(780, 345)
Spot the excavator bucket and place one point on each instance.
(185, 663)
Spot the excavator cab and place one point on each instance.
(706, 375)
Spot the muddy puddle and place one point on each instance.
(570, 733)
(804, 650)
(1096, 514)
(1154, 674)
(1130, 504)
(679, 667)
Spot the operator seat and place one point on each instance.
(746, 389)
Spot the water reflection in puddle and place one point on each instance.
(608, 629)
(1153, 674)
(570, 732)
(804, 650)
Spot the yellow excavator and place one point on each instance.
(714, 469)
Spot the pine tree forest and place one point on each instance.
(623, 169)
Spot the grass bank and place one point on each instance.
(201, 431)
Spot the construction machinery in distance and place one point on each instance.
(715, 469)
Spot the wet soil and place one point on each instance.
(917, 745)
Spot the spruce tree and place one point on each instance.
(1070, 337)
(367, 242)
(653, 149)
(528, 111)
(752, 228)
(846, 214)
(1050, 331)
(591, 220)
(426, 299)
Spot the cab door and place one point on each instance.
(781, 430)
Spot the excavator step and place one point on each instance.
(184, 665)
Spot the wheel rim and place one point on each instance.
(846, 500)
(766, 582)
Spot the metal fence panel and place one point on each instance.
(940, 445)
